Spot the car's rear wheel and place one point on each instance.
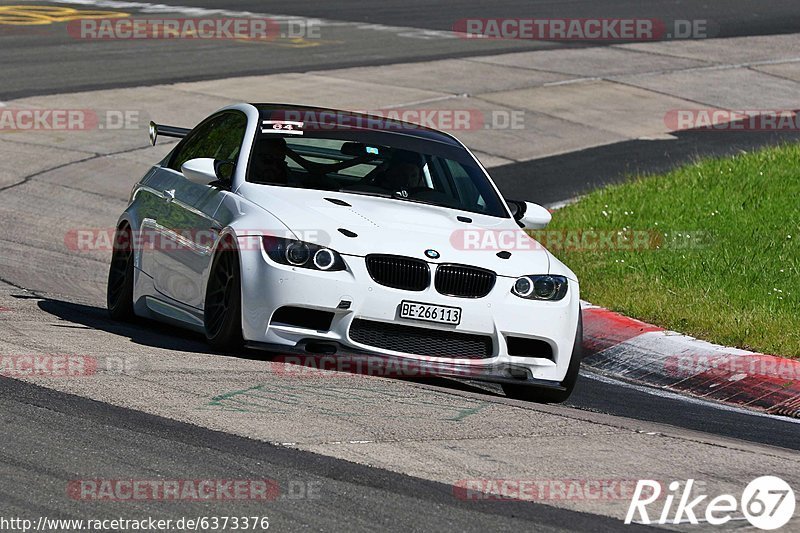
(543, 395)
(119, 289)
(223, 303)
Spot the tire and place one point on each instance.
(119, 289)
(530, 393)
(222, 315)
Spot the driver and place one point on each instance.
(268, 162)
(403, 173)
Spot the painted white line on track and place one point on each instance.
(572, 81)
(662, 393)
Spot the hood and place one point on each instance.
(399, 227)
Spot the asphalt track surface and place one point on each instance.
(45, 59)
(734, 18)
(592, 393)
(92, 437)
(50, 437)
(562, 177)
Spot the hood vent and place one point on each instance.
(337, 201)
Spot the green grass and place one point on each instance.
(736, 284)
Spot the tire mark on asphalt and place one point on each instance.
(33, 293)
(5, 139)
(94, 156)
(271, 399)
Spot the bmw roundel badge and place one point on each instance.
(432, 254)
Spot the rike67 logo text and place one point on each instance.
(767, 502)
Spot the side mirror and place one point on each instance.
(224, 170)
(529, 215)
(208, 171)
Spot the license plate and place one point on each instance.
(430, 313)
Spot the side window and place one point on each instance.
(219, 137)
(467, 191)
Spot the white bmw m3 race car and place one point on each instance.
(316, 231)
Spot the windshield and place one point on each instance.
(394, 167)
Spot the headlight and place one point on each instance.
(302, 254)
(540, 287)
(324, 259)
(296, 253)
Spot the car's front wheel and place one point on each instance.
(223, 303)
(119, 290)
(541, 395)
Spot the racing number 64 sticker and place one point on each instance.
(285, 127)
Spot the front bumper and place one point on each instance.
(267, 286)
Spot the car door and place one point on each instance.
(186, 225)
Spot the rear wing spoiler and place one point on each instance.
(166, 131)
